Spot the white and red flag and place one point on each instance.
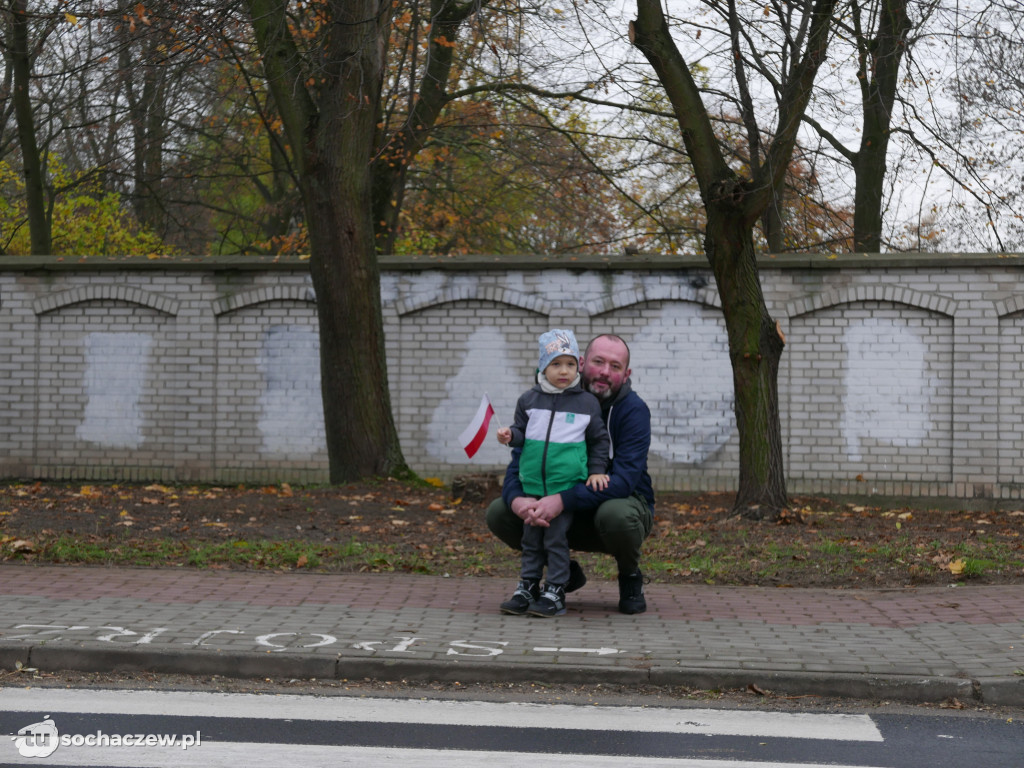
(472, 437)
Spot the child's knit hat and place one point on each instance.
(555, 343)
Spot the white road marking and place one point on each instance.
(231, 755)
(40, 701)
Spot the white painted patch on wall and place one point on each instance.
(115, 373)
(291, 406)
(487, 367)
(416, 285)
(888, 389)
(681, 369)
(389, 287)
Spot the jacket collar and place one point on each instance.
(543, 385)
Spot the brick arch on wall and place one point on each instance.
(495, 293)
(891, 293)
(262, 295)
(125, 293)
(641, 294)
(1010, 305)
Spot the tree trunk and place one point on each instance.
(337, 187)
(733, 207)
(145, 91)
(878, 71)
(755, 349)
(280, 202)
(773, 226)
(869, 172)
(148, 118)
(38, 220)
(361, 436)
(330, 115)
(155, 99)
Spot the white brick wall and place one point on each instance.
(900, 377)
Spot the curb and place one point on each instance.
(914, 689)
(12, 654)
(1002, 691)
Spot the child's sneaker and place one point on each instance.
(550, 603)
(525, 593)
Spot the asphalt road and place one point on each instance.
(87, 727)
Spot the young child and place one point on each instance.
(561, 433)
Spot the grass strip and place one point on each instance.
(732, 558)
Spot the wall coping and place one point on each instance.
(639, 262)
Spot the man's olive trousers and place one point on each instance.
(618, 528)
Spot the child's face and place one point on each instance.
(561, 371)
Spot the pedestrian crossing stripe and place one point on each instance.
(261, 755)
(671, 720)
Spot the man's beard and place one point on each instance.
(605, 394)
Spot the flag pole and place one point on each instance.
(496, 419)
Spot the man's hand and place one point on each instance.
(545, 510)
(522, 507)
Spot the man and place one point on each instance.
(615, 520)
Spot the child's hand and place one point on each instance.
(597, 482)
(504, 435)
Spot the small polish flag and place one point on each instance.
(472, 437)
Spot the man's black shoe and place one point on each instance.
(577, 578)
(631, 593)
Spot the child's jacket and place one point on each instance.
(563, 439)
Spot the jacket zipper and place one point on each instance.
(547, 442)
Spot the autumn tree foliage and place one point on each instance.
(167, 105)
(203, 163)
(449, 131)
(86, 221)
(107, 96)
(18, 50)
(500, 177)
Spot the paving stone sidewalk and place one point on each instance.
(925, 644)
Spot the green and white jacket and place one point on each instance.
(562, 436)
